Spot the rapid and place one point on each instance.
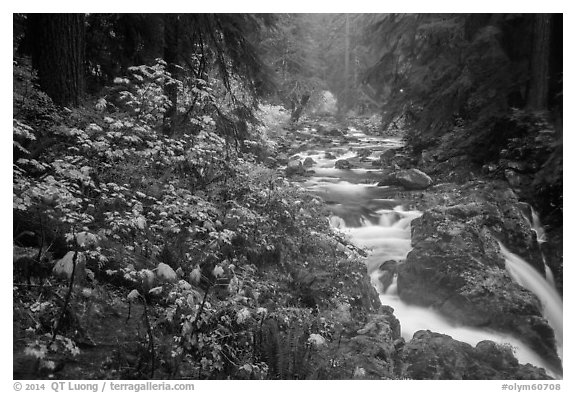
(375, 218)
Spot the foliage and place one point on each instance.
(333, 31)
(192, 231)
(432, 67)
(119, 41)
(294, 55)
(539, 143)
(460, 84)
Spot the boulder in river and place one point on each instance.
(388, 270)
(395, 159)
(295, 167)
(410, 179)
(457, 267)
(343, 164)
(363, 152)
(352, 139)
(309, 162)
(435, 356)
(329, 156)
(335, 132)
(387, 155)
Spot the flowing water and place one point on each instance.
(527, 276)
(534, 221)
(374, 218)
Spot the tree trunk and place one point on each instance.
(347, 65)
(171, 56)
(539, 67)
(299, 108)
(58, 55)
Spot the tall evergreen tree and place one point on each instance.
(293, 52)
(539, 67)
(58, 55)
(433, 67)
(195, 46)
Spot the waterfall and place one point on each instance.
(527, 276)
(390, 240)
(538, 229)
(375, 219)
(537, 226)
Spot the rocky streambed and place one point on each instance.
(444, 259)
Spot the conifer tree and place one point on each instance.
(58, 55)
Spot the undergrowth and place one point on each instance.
(204, 255)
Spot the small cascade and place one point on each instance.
(549, 274)
(414, 318)
(374, 219)
(390, 240)
(538, 229)
(537, 226)
(527, 276)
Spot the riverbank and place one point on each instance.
(278, 272)
(461, 222)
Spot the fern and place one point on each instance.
(287, 353)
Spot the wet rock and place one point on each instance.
(295, 167)
(371, 353)
(428, 159)
(334, 132)
(270, 162)
(388, 270)
(321, 140)
(329, 156)
(410, 179)
(309, 162)
(395, 159)
(388, 154)
(434, 356)
(363, 153)
(315, 286)
(512, 177)
(553, 251)
(282, 159)
(517, 166)
(515, 179)
(342, 164)
(357, 162)
(489, 168)
(446, 168)
(413, 179)
(456, 266)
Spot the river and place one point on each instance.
(376, 219)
